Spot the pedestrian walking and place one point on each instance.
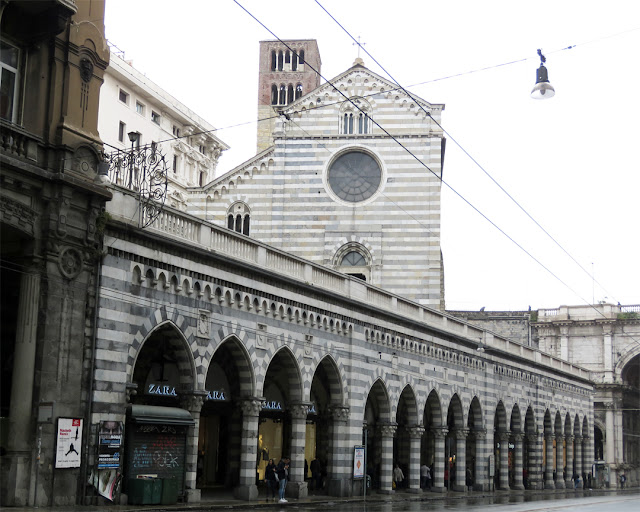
(282, 471)
(424, 472)
(398, 476)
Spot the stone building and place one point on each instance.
(131, 103)
(51, 201)
(352, 180)
(604, 339)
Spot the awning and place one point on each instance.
(151, 414)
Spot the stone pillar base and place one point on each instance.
(414, 490)
(386, 491)
(518, 487)
(438, 489)
(297, 490)
(549, 484)
(16, 479)
(459, 488)
(340, 487)
(559, 484)
(246, 492)
(193, 496)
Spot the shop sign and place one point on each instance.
(273, 406)
(69, 443)
(156, 389)
(109, 444)
(216, 395)
(312, 408)
(358, 461)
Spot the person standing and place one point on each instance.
(398, 476)
(424, 471)
(270, 479)
(283, 474)
(316, 474)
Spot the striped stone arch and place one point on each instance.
(475, 418)
(557, 423)
(231, 199)
(295, 376)
(380, 393)
(568, 424)
(409, 396)
(433, 409)
(547, 422)
(236, 356)
(338, 386)
(530, 423)
(515, 422)
(168, 317)
(500, 423)
(342, 246)
(577, 425)
(271, 346)
(455, 412)
(585, 427)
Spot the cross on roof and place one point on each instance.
(359, 44)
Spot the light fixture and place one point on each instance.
(133, 136)
(543, 89)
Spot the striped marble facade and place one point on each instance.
(412, 376)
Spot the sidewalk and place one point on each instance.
(224, 500)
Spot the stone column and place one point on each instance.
(415, 437)
(578, 457)
(568, 478)
(587, 454)
(387, 433)
(193, 403)
(20, 426)
(548, 467)
(518, 453)
(439, 434)
(339, 470)
(534, 474)
(297, 487)
(481, 475)
(559, 461)
(618, 446)
(461, 459)
(247, 489)
(503, 437)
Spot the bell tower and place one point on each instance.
(288, 70)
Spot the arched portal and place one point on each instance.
(501, 447)
(229, 378)
(476, 476)
(379, 434)
(631, 412)
(326, 398)
(531, 477)
(455, 446)
(558, 452)
(548, 451)
(433, 441)
(406, 420)
(515, 450)
(282, 418)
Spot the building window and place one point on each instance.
(348, 124)
(354, 259)
(274, 94)
(9, 82)
(298, 91)
(294, 62)
(202, 149)
(301, 56)
(124, 97)
(176, 131)
(122, 131)
(283, 95)
(239, 218)
(175, 164)
(155, 117)
(363, 123)
(274, 60)
(139, 108)
(289, 94)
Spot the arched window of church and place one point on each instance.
(289, 94)
(274, 60)
(298, 91)
(363, 123)
(245, 225)
(280, 60)
(283, 95)
(287, 57)
(301, 55)
(239, 218)
(294, 62)
(354, 260)
(274, 94)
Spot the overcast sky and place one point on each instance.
(572, 162)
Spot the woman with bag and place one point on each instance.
(271, 479)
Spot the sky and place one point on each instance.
(570, 163)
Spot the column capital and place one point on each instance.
(461, 433)
(559, 437)
(585, 437)
(439, 432)
(578, 438)
(339, 413)
(479, 433)
(518, 436)
(503, 436)
(299, 410)
(251, 406)
(416, 431)
(193, 401)
(549, 437)
(388, 430)
(569, 438)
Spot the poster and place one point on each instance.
(68, 443)
(109, 444)
(106, 482)
(358, 462)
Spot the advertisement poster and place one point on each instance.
(358, 462)
(69, 443)
(109, 444)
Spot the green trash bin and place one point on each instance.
(145, 491)
(169, 491)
